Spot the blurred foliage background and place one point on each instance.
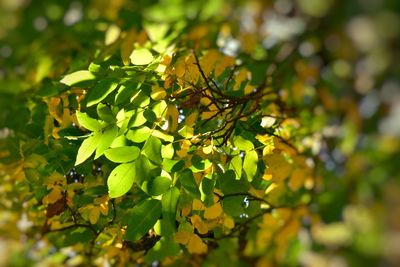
(344, 76)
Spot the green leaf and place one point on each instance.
(121, 179)
(250, 164)
(105, 113)
(140, 99)
(106, 139)
(236, 166)
(141, 56)
(100, 91)
(189, 184)
(87, 148)
(167, 151)
(77, 77)
(143, 169)
(150, 115)
(199, 164)
(138, 119)
(139, 135)
(233, 205)
(179, 165)
(160, 109)
(119, 141)
(88, 122)
(152, 149)
(207, 186)
(242, 143)
(122, 154)
(142, 219)
(169, 204)
(228, 183)
(165, 247)
(156, 186)
(163, 136)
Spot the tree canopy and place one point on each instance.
(199, 133)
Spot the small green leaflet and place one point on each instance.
(152, 149)
(143, 169)
(169, 203)
(166, 246)
(104, 112)
(122, 154)
(242, 143)
(88, 122)
(142, 219)
(141, 56)
(139, 135)
(100, 91)
(189, 184)
(107, 137)
(87, 147)
(156, 186)
(77, 77)
(167, 151)
(163, 136)
(121, 179)
(250, 164)
(236, 166)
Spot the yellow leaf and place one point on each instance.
(213, 212)
(280, 145)
(53, 196)
(180, 67)
(269, 222)
(158, 93)
(127, 46)
(239, 78)
(172, 115)
(198, 223)
(228, 222)
(191, 119)
(112, 34)
(141, 56)
(208, 114)
(248, 89)
(197, 205)
(297, 179)
(208, 149)
(182, 237)
(196, 245)
(198, 33)
(186, 210)
(94, 215)
(278, 167)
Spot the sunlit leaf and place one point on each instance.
(141, 56)
(121, 179)
(242, 143)
(77, 77)
(250, 163)
(105, 140)
(236, 165)
(88, 122)
(122, 154)
(88, 146)
(152, 149)
(139, 135)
